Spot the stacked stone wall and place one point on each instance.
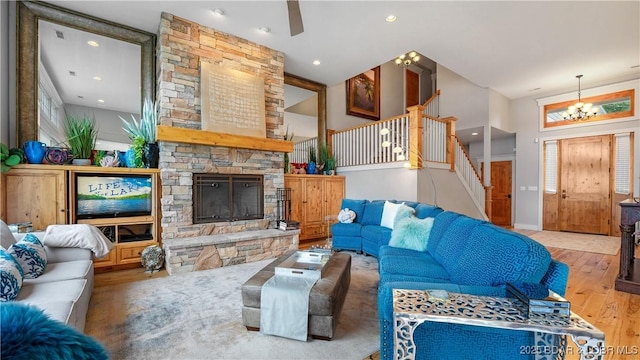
(182, 46)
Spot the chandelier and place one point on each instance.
(580, 110)
(407, 59)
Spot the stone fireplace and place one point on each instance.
(187, 150)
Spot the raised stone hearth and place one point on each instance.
(214, 251)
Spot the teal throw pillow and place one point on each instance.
(30, 254)
(411, 233)
(10, 275)
(403, 212)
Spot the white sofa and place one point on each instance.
(64, 290)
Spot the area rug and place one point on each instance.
(609, 245)
(198, 316)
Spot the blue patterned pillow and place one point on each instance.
(10, 276)
(29, 253)
(411, 233)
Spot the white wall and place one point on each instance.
(499, 111)
(390, 183)
(451, 193)
(463, 99)
(527, 117)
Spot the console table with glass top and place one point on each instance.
(413, 307)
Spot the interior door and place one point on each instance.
(501, 172)
(584, 204)
(412, 82)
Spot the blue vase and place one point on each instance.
(130, 158)
(34, 151)
(311, 167)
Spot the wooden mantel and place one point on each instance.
(192, 136)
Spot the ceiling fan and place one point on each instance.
(295, 18)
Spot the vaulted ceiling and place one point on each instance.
(512, 47)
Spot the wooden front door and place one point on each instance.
(584, 203)
(412, 81)
(501, 193)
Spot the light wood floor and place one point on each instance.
(590, 290)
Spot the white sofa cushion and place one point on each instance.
(6, 236)
(68, 270)
(67, 301)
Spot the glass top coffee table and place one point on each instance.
(413, 307)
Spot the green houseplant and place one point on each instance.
(144, 129)
(8, 158)
(81, 133)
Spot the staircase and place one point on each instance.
(419, 140)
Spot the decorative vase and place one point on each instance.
(151, 155)
(130, 158)
(34, 151)
(311, 167)
(81, 162)
(56, 155)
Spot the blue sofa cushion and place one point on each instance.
(411, 233)
(376, 233)
(452, 241)
(493, 256)
(356, 205)
(410, 264)
(342, 229)
(426, 210)
(372, 213)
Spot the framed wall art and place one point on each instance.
(363, 95)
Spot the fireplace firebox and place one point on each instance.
(222, 197)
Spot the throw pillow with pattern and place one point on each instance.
(10, 276)
(30, 254)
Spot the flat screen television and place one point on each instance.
(107, 195)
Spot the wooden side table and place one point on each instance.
(413, 307)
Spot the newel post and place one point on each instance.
(451, 138)
(415, 136)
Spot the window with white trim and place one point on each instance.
(551, 166)
(623, 163)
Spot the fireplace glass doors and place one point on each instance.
(218, 197)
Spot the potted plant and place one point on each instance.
(81, 135)
(311, 164)
(145, 129)
(287, 168)
(8, 158)
(330, 165)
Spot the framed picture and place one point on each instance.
(363, 95)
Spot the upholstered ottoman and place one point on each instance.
(325, 300)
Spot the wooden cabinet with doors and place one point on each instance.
(313, 198)
(47, 194)
(36, 194)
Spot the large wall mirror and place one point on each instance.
(59, 73)
(321, 92)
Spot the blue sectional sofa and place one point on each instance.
(463, 255)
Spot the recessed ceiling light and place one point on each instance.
(391, 18)
(93, 43)
(98, 78)
(100, 100)
(474, 133)
(218, 12)
(316, 62)
(72, 73)
(264, 29)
